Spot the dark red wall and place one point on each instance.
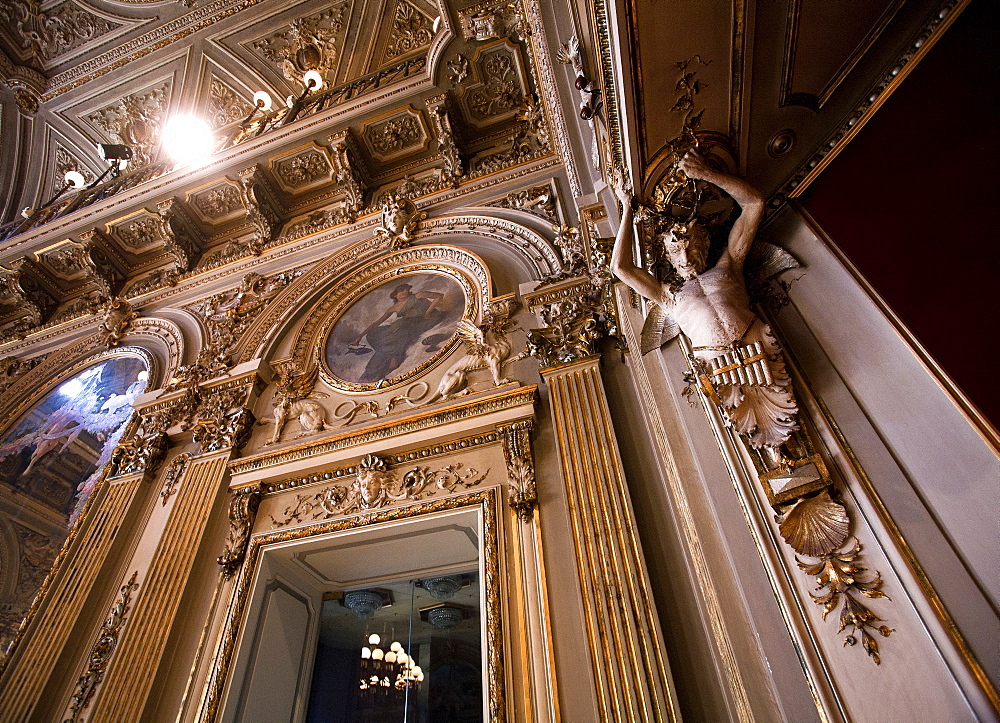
(913, 202)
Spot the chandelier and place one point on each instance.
(387, 673)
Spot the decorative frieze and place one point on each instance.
(376, 485)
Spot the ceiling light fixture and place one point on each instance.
(188, 140)
(72, 179)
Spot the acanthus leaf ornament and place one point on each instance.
(231, 430)
(143, 451)
(242, 511)
(838, 573)
(523, 493)
(172, 476)
(102, 652)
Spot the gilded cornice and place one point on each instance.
(380, 431)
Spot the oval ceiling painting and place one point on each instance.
(394, 331)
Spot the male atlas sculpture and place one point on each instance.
(734, 353)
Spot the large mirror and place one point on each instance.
(360, 621)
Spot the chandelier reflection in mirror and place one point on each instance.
(404, 652)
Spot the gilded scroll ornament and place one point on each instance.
(172, 476)
(231, 430)
(103, 650)
(523, 493)
(574, 324)
(242, 511)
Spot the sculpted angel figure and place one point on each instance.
(734, 353)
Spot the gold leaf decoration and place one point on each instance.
(838, 572)
(815, 526)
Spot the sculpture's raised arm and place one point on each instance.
(750, 200)
(622, 258)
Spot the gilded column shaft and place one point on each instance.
(131, 671)
(632, 679)
(45, 644)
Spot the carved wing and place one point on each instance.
(473, 337)
(764, 262)
(300, 385)
(658, 329)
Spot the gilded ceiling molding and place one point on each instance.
(143, 45)
(938, 22)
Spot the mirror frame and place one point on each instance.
(218, 687)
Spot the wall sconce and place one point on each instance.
(72, 179)
(312, 80)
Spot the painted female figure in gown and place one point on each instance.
(415, 313)
(734, 353)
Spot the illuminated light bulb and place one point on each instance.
(74, 179)
(420, 677)
(366, 652)
(374, 639)
(417, 670)
(401, 658)
(188, 140)
(395, 647)
(374, 680)
(262, 99)
(390, 657)
(312, 80)
(377, 654)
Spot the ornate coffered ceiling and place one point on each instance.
(397, 115)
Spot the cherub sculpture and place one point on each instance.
(295, 398)
(487, 346)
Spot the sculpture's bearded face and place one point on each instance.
(687, 249)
